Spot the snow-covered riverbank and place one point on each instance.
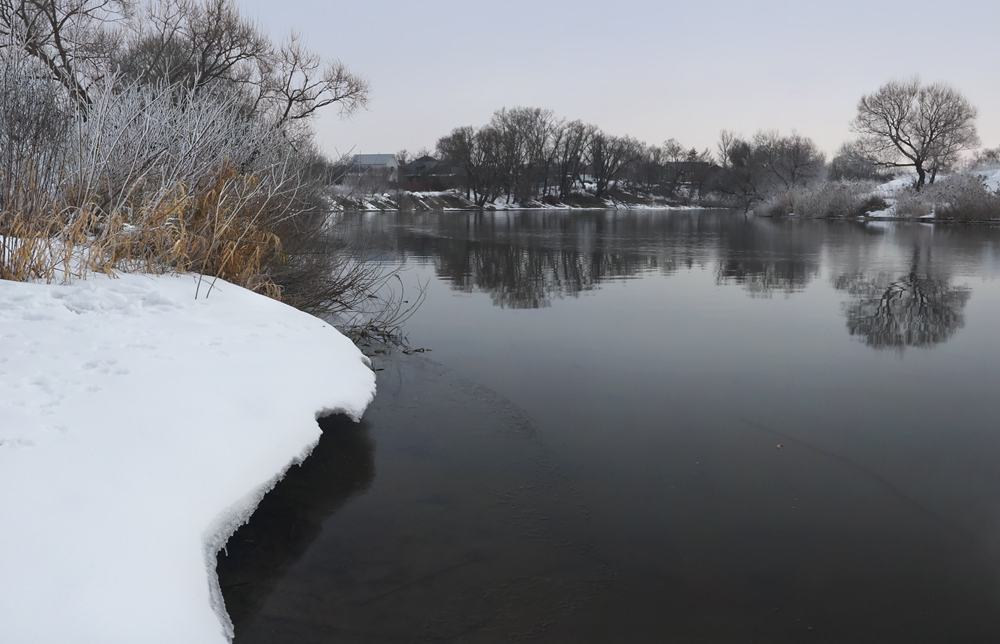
(457, 200)
(139, 427)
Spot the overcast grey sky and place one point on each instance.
(654, 70)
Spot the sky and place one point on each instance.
(652, 70)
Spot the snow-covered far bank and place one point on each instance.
(457, 200)
(968, 196)
(139, 427)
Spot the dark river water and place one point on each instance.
(682, 426)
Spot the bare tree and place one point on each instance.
(556, 131)
(673, 151)
(478, 153)
(574, 139)
(72, 39)
(301, 82)
(909, 125)
(850, 163)
(754, 169)
(510, 127)
(609, 156)
(742, 176)
(524, 136)
(192, 44)
(727, 139)
(988, 158)
(788, 161)
(166, 134)
(213, 44)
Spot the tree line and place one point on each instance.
(524, 154)
(529, 154)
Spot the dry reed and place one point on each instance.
(224, 229)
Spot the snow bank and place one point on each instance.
(139, 428)
(991, 179)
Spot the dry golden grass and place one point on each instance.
(48, 248)
(224, 229)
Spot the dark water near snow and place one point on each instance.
(590, 453)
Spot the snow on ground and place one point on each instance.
(889, 191)
(139, 427)
(991, 179)
(895, 186)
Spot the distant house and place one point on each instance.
(383, 165)
(427, 174)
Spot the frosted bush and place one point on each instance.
(965, 197)
(831, 199)
(913, 205)
(141, 144)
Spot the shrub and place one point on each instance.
(779, 205)
(960, 197)
(966, 198)
(148, 178)
(832, 199)
(873, 203)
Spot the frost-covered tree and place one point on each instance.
(988, 158)
(189, 44)
(906, 124)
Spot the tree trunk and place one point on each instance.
(921, 176)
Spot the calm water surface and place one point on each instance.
(655, 427)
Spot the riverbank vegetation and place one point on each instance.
(170, 136)
(529, 157)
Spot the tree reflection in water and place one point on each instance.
(763, 278)
(529, 278)
(892, 311)
(769, 257)
(528, 260)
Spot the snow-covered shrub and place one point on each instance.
(986, 160)
(831, 199)
(965, 197)
(968, 196)
(911, 204)
(836, 199)
(34, 125)
(779, 205)
(138, 144)
(149, 178)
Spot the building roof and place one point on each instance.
(372, 159)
